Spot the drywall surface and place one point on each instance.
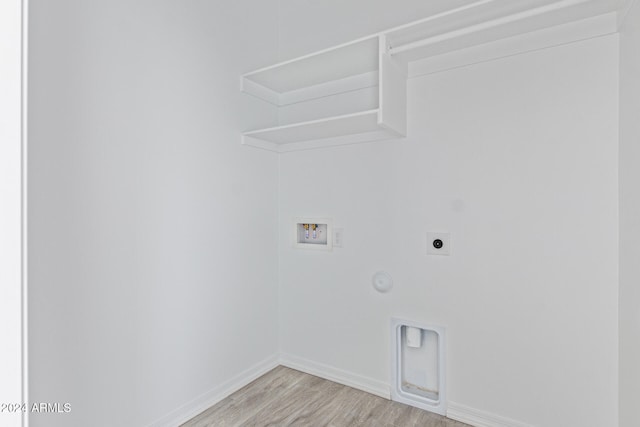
(153, 269)
(10, 211)
(517, 158)
(630, 219)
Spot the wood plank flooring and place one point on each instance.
(286, 397)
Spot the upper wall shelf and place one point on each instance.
(337, 130)
(356, 92)
(334, 64)
(344, 74)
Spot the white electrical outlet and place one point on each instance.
(438, 243)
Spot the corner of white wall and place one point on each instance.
(206, 400)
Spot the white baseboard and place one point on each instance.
(340, 376)
(215, 395)
(479, 418)
(189, 410)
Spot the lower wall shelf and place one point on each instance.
(352, 128)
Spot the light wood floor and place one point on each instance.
(285, 397)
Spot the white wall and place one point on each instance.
(517, 158)
(153, 269)
(630, 219)
(10, 209)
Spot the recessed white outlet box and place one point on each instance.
(313, 233)
(438, 243)
(418, 365)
